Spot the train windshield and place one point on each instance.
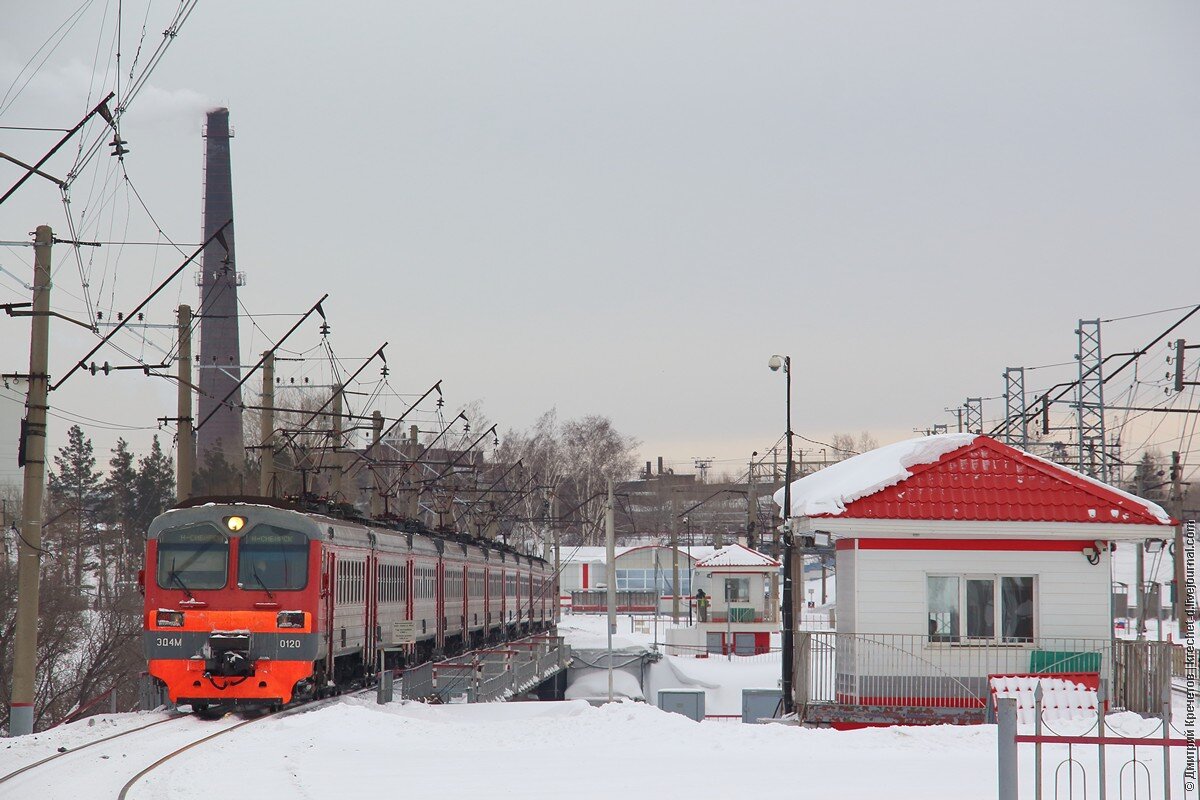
(196, 557)
(273, 558)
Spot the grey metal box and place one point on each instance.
(759, 704)
(689, 702)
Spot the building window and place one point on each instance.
(980, 608)
(651, 580)
(737, 590)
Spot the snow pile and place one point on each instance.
(593, 685)
(1062, 698)
(721, 679)
(828, 491)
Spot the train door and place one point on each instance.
(329, 583)
(440, 608)
(371, 613)
(410, 651)
(464, 593)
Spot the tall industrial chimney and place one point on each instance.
(219, 364)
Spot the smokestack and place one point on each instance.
(220, 357)
(660, 465)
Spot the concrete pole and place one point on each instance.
(1006, 746)
(266, 429)
(376, 478)
(675, 556)
(557, 552)
(414, 490)
(336, 485)
(1180, 555)
(610, 543)
(185, 450)
(29, 550)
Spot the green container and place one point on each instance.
(1055, 661)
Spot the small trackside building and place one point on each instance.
(958, 558)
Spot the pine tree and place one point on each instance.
(154, 487)
(75, 492)
(120, 511)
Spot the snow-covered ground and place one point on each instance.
(543, 750)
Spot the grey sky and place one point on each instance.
(625, 208)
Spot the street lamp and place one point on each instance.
(785, 530)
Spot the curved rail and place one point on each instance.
(311, 705)
(73, 750)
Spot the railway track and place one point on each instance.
(97, 768)
(72, 751)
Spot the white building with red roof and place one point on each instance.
(958, 558)
(736, 616)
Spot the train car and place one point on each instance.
(251, 604)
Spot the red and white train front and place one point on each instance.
(232, 593)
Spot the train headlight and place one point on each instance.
(169, 619)
(290, 619)
(235, 524)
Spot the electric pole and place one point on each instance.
(33, 445)
(674, 555)
(610, 542)
(1181, 609)
(266, 427)
(336, 489)
(185, 453)
(376, 478)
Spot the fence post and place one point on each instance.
(1006, 746)
(1038, 696)
(1166, 716)
(1101, 700)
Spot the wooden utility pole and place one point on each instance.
(185, 449)
(376, 478)
(336, 486)
(266, 428)
(33, 440)
(676, 588)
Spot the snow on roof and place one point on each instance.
(597, 555)
(829, 490)
(1157, 511)
(736, 555)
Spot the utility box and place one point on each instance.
(760, 704)
(689, 702)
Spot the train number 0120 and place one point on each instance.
(289, 644)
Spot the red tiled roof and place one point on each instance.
(988, 480)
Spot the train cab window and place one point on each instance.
(272, 558)
(195, 557)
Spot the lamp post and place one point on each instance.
(785, 530)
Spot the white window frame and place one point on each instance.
(997, 637)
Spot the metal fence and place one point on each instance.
(921, 671)
(489, 674)
(1101, 762)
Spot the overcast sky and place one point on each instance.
(626, 208)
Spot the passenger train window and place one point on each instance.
(271, 558)
(195, 557)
